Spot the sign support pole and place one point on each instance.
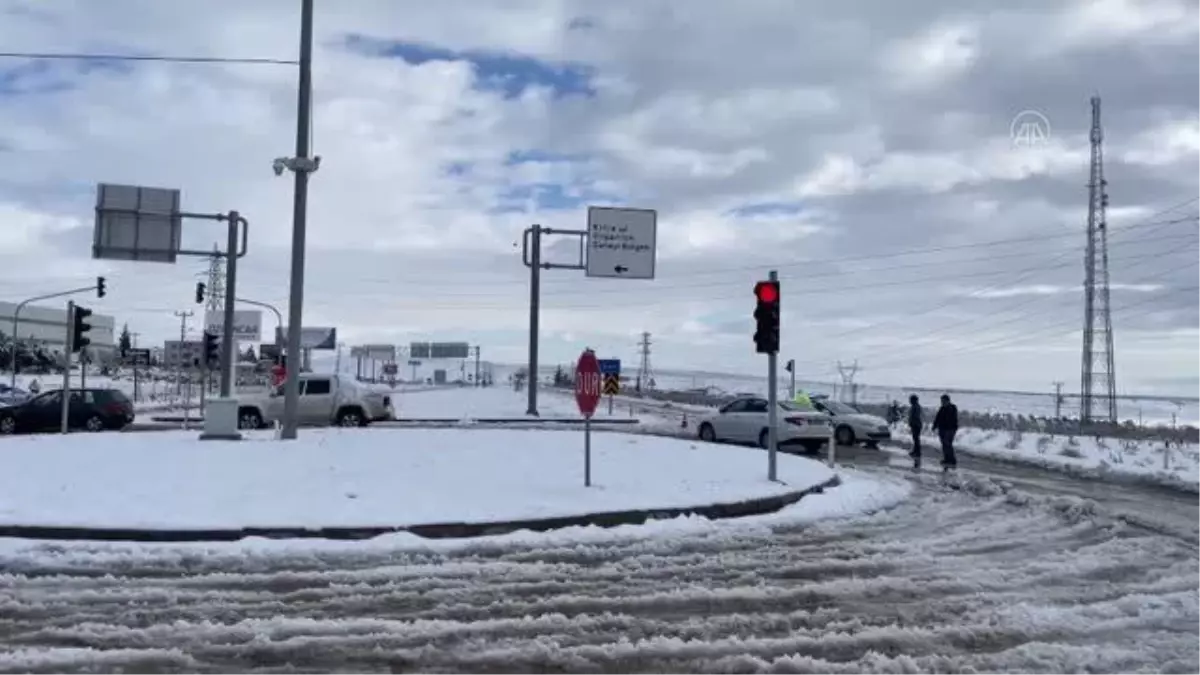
(535, 297)
(772, 406)
(587, 451)
(608, 230)
(67, 348)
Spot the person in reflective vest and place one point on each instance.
(802, 399)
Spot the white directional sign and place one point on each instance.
(621, 242)
(247, 324)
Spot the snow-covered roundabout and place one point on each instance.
(390, 479)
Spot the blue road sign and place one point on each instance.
(610, 366)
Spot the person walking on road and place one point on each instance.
(916, 421)
(945, 423)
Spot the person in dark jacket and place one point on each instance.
(945, 423)
(916, 420)
(893, 414)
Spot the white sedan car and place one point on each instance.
(744, 420)
(853, 426)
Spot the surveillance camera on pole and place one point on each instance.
(295, 164)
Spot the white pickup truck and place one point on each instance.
(324, 400)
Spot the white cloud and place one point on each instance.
(812, 140)
(934, 57)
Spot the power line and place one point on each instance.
(1027, 316)
(75, 56)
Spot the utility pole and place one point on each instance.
(183, 319)
(645, 377)
(847, 373)
(1058, 400)
(477, 384)
(301, 165)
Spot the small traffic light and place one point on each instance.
(210, 349)
(766, 317)
(100, 287)
(791, 365)
(200, 287)
(79, 329)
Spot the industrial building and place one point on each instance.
(47, 327)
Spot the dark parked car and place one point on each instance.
(90, 409)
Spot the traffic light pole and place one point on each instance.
(772, 406)
(68, 348)
(17, 318)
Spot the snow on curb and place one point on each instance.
(859, 495)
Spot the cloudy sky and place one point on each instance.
(863, 149)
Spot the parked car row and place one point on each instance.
(746, 420)
(87, 410)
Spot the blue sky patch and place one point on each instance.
(547, 197)
(45, 76)
(457, 168)
(511, 74)
(767, 209)
(525, 156)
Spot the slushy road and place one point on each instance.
(1013, 572)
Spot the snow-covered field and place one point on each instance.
(370, 477)
(497, 401)
(1150, 411)
(1176, 466)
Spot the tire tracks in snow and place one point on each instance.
(947, 581)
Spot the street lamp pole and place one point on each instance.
(278, 316)
(300, 165)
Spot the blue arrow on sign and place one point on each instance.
(610, 366)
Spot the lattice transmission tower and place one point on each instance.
(1098, 386)
(645, 376)
(215, 302)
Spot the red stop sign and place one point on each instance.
(587, 383)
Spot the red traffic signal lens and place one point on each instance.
(766, 291)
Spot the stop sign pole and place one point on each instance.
(587, 397)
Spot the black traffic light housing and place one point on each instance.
(200, 288)
(100, 290)
(766, 317)
(211, 356)
(79, 329)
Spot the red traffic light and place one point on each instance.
(767, 291)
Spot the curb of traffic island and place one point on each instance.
(453, 421)
(462, 530)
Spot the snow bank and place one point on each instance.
(1084, 455)
(369, 477)
(860, 494)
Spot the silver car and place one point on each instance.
(745, 420)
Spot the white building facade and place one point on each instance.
(47, 327)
